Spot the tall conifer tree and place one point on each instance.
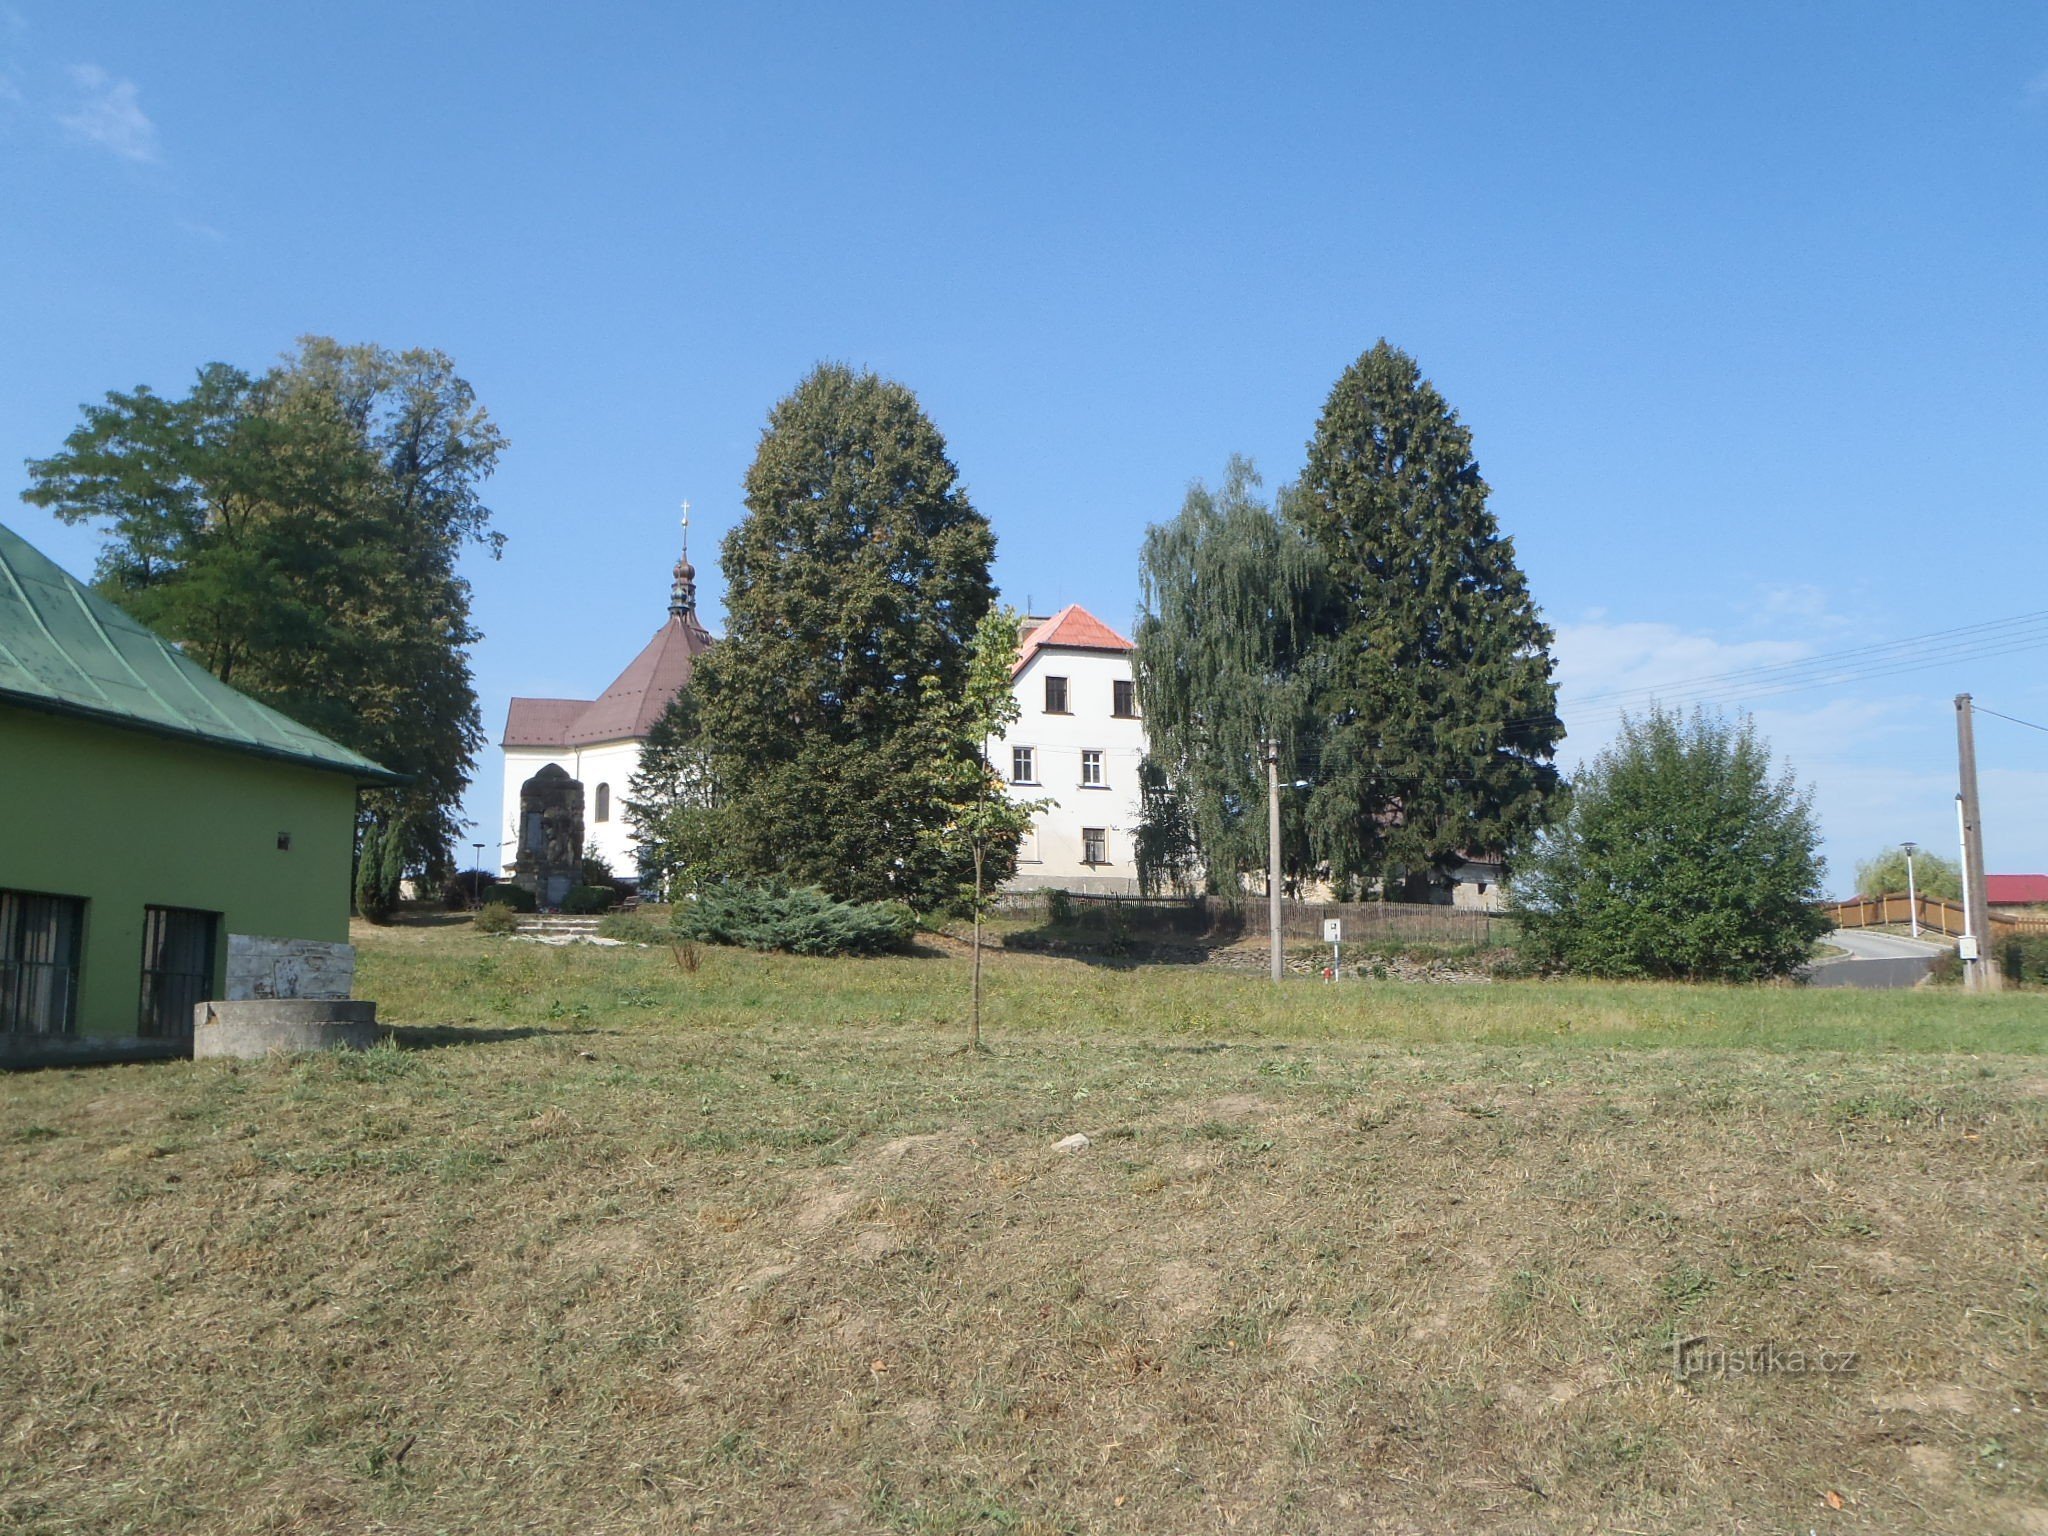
(853, 588)
(1438, 717)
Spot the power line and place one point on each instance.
(1893, 658)
(1843, 678)
(1962, 637)
(2015, 719)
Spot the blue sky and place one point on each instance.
(1744, 304)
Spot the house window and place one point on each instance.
(1023, 765)
(1094, 845)
(177, 969)
(1091, 770)
(1125, 694)
(39, 947)
(604, 802)
(1027, 848)
(1055, 695)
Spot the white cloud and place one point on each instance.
(1798, 601)
(1598, 663)
(1866, 754)
(109, 116)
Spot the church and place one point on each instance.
(568, 762)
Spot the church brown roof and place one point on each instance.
(627, 710)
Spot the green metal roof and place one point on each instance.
(66, 649)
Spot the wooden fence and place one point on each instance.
(1365, 922)
(1936, 916)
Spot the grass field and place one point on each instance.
(604, 1246)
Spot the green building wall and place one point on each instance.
(129, 820)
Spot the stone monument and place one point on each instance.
(550, 858)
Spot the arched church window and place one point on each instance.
(604, 802)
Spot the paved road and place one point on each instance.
(1880, 961)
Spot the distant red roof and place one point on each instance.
(2016, 890)
(627, 710)
(1073, 628)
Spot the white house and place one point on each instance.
(597, 741)
(1077, 744)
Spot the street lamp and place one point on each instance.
(476, 880)
(1912, 891)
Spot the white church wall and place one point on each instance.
(610, 765)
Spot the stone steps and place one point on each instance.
(557, 923)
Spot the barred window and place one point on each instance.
(39, 949)
(177, 969)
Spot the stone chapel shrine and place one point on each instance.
(568, 762)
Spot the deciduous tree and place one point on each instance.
(1682, 854)
(1933, 876)
(1225, 660)
(670, 792)
(853, 587)
(986, 820)
(299, 533)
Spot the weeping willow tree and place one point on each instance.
(1226, 660)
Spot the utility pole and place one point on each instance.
(1273, 851)
(1981, 973)
(1963, 855)
(1912, 891)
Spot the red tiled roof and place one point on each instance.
(541, 722)
(627, 710)
(1073, 628)
(2016, 890)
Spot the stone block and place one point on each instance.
(260, 967)
(255, 1028)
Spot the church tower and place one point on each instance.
(596, 743)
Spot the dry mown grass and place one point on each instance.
(630, 1257)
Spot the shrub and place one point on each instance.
(517, 897)
(800, 921)
(379, 867)
(495, 917)
(582, 900)
(1059, 906)
(458, 891)
(2024, 959)
(1681, 855)
(631, 928)
(597, 869)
